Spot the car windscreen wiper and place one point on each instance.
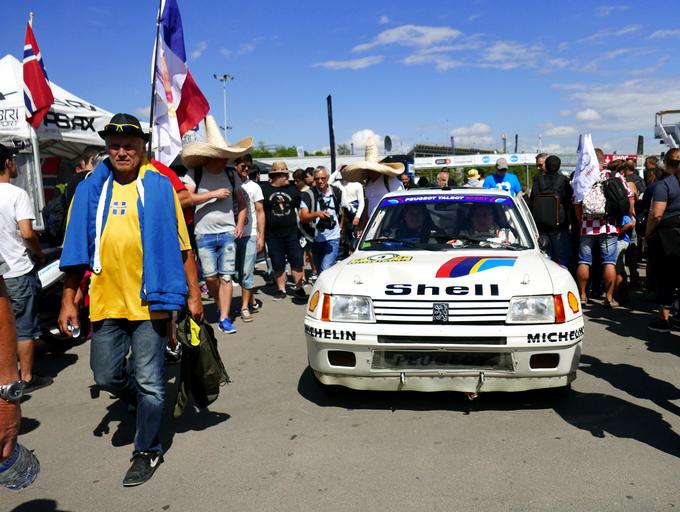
(404, 242)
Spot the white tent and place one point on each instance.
(68, 128)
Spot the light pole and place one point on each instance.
(224, 79)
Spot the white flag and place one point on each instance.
(587, 168)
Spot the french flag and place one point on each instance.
(37, 93)
(179, 104)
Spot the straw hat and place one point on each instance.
(358, 171)
(195, 154)
(473, 174)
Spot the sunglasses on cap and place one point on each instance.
(124, 127)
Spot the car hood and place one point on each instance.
(488, 274)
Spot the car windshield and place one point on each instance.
(442, 222)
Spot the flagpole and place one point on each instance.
(39, 198)
(153, 79)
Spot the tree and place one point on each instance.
(343, 149)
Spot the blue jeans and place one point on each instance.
(246, 254)
(23, 294)
(143, 383)
(559, 247)
(607, 243)
(217, 253)
(325, 254)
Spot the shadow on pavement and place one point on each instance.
(28, 425)
(41, 505)
(593, 412)
(633, 380)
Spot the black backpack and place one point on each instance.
(547, 207)
(616, 196)
(54, 216)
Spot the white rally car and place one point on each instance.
(448, 290)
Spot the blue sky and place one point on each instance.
(417, 71)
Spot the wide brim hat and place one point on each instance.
(279, 168)
(473, 174)
(124, 124)
(195, 154)
(358, 171)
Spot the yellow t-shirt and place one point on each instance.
(114, 293)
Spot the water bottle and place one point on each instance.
(74, 330)
(20, 469)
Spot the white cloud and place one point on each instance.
(512, 55)
(606, 10)
(565, 113)
(628, 105)
(608, 33)
(142, 113)
(441, 62)
(383, 20)
(663, 34)
(226, 52)
(560, 131)
(588, 114)
(473, 17)
(354, 64)
(196, 53)
(554, 149)
(476, 134)
(360, 137)
(418, 36)
(244, 49)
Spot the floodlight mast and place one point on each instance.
(224, 79)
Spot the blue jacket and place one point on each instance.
(163, 281)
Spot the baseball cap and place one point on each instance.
(502, 163)
(6, 153)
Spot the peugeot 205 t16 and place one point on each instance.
(447, 290)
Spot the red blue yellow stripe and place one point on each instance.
(466, 265)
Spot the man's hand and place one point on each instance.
(238, 231)
(260, 244)
(68, 314)
(355, 222)
(322, 214)
(10, 417)
(195, 306)
(221, 193)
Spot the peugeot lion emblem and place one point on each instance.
(440, 313)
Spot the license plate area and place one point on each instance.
(440, 360)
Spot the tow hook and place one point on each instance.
(480, 383)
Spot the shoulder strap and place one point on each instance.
(198, 176)
(541, 183)
(386, 181)
(337, 198)
(311, 192)
(230, 177)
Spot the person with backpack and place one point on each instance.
(663, 236)
(600, 212)
(549, 201)
(322, 206)
(221, 212)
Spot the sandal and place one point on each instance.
(246, 316)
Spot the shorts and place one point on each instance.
(280, 248)
(217, 253)
(607, 244)
(621, 247)
(246, 254)
(23, 294)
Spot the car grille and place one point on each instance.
(409, 311)
(436, 360)
(441, 340)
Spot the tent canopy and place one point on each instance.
(70, 125)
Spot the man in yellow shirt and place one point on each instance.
(126, 225)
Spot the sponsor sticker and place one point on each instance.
(381, 258)
(573, 302)
(445, 198)
(468, 265)
(314, 301)
(331, 334)
(555, 337)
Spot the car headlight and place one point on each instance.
(351, 308)
(531, 310)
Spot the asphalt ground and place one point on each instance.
(275, 440)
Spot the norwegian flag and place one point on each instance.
(37, 93)
(179, 103)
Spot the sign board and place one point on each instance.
(608, 158)
(489, 160)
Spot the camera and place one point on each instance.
(325, 223)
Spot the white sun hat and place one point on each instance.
(195, 154)
(357, 171)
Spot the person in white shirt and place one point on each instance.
(252, 240)
(19, 242)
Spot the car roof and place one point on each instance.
(453, 191)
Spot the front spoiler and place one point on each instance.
(433, 383)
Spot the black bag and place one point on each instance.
(547, 207)
(616, 196)
(202, 372)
